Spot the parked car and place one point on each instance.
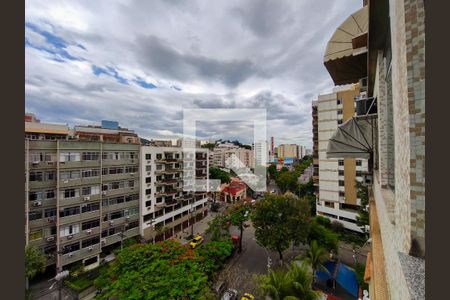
(230, 294)
(196, 241)
(247, 296)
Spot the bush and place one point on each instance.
(214, 254)
(337, 226)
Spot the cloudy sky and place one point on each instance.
(142, 62)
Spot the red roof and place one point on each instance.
(234, 188)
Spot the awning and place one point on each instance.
(346, 54)
(353, 139)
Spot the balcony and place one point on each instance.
(80, 254)
(80, 235)
(78, 200)
(80, 217)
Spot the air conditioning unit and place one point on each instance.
(89, 231)
(103, 241)
(37, 203)
(131, 173)
(50, 239)
(70, 254)
(87, 198)
(127, 217)
(66, 181)
(111, 222)
(70, 236)
(103, 193)
(90, 248)
(51, 219)
(36, 162)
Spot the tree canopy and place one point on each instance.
(35, 261)
(280, 220)
(216, 173)
(165, 270)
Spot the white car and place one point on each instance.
(230, 294)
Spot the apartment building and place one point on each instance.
(392, 109)
(315, 150)
(226, 155)
(262, 153)
(288, 150)
(81, 197)
(337, 177)
(171, 201)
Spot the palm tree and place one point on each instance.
(316, 256)
(302, 281)
(276, 285)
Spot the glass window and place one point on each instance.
(49, 231)
(36, 176)
(69, 156)
(70, 193)
(71, 248)
(116, 215)
(90, 207)
(90, 242)
(358, 162)
(148, 168)
(148, 156)
(90, 156)
(341, 183)
(133, 211)
(148, 180)
(49, 212)
(35, 215)
(90, 173)
(32, 196)
(69, 230)
(90, 224)
(341, 162)
(148, 191)
(69, 211)
(51, 175)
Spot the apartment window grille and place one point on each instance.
(341, 172)
(358, 162)
(339, 111)
(148, 191)
(148, 156)
(358, 173)
(148, 203)
(341, 183)
(341, 193)
(341, 162)
(148, 168)
(148, 180)
(159, 156)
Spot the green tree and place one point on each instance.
(216, 173)
(316, 256)
(218, 228)
(293, 283)
(272, 171)
(279, 220)
(287, 181)
(213, 255)
(362, 219)
(302, 281)
(238, 214)
(209, 146)
(325, 237)
(165, 270)
(35, 262)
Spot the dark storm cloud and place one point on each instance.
(160, 56)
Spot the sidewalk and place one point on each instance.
(199, 228)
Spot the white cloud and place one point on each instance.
(226, 54)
